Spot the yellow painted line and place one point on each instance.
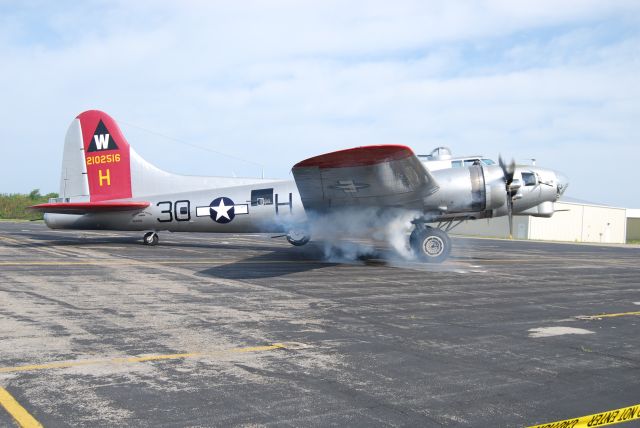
(19, 413)
(11, 240)
(595, 317)
(610, 417)
(126, 360)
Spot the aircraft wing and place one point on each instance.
(89, 207)
(369, 176)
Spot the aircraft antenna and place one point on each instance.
(196, 146)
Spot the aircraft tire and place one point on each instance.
(298, 238)
(430, 245)
(151, 238)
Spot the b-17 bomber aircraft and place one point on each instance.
(106, 185)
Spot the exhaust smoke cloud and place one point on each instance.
(351, 233)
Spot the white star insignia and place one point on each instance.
(222, 210)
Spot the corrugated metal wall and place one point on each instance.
(581, 223)
(572, 222)
(494, 227)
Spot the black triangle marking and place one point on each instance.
(102, 139)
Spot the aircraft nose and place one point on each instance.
(562, 182)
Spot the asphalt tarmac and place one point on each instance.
(97, 329)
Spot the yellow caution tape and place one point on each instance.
(609, 417)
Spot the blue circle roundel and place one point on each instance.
(221, 210)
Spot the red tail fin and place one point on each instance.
(107, 156)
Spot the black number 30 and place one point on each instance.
(181, 211)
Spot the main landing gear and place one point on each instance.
(150, 238)
(429, 244)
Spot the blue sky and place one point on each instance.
(276, 82)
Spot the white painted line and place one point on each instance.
(556, 331)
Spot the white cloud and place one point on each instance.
(275, 82)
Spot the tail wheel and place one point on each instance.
(298, 237)
(430, 245)
(151, 238)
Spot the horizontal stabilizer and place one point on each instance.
(89, 207)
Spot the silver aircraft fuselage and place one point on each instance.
(271, 207)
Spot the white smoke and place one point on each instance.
(352, 233)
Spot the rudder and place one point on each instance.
(107, 157)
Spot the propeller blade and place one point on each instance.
(510, 215)
(507, 170)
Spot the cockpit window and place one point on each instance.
(488, 162)
(529, 179)
(470, 162)
(456, 164)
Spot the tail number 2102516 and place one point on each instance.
(100, 159)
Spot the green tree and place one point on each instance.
(14, 206)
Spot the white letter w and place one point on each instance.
(102, 141)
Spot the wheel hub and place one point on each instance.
(433, 246)
(296, 235)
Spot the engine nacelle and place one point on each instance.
(477, 191)
(545, 210)
(496, 192)
(480, 191)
